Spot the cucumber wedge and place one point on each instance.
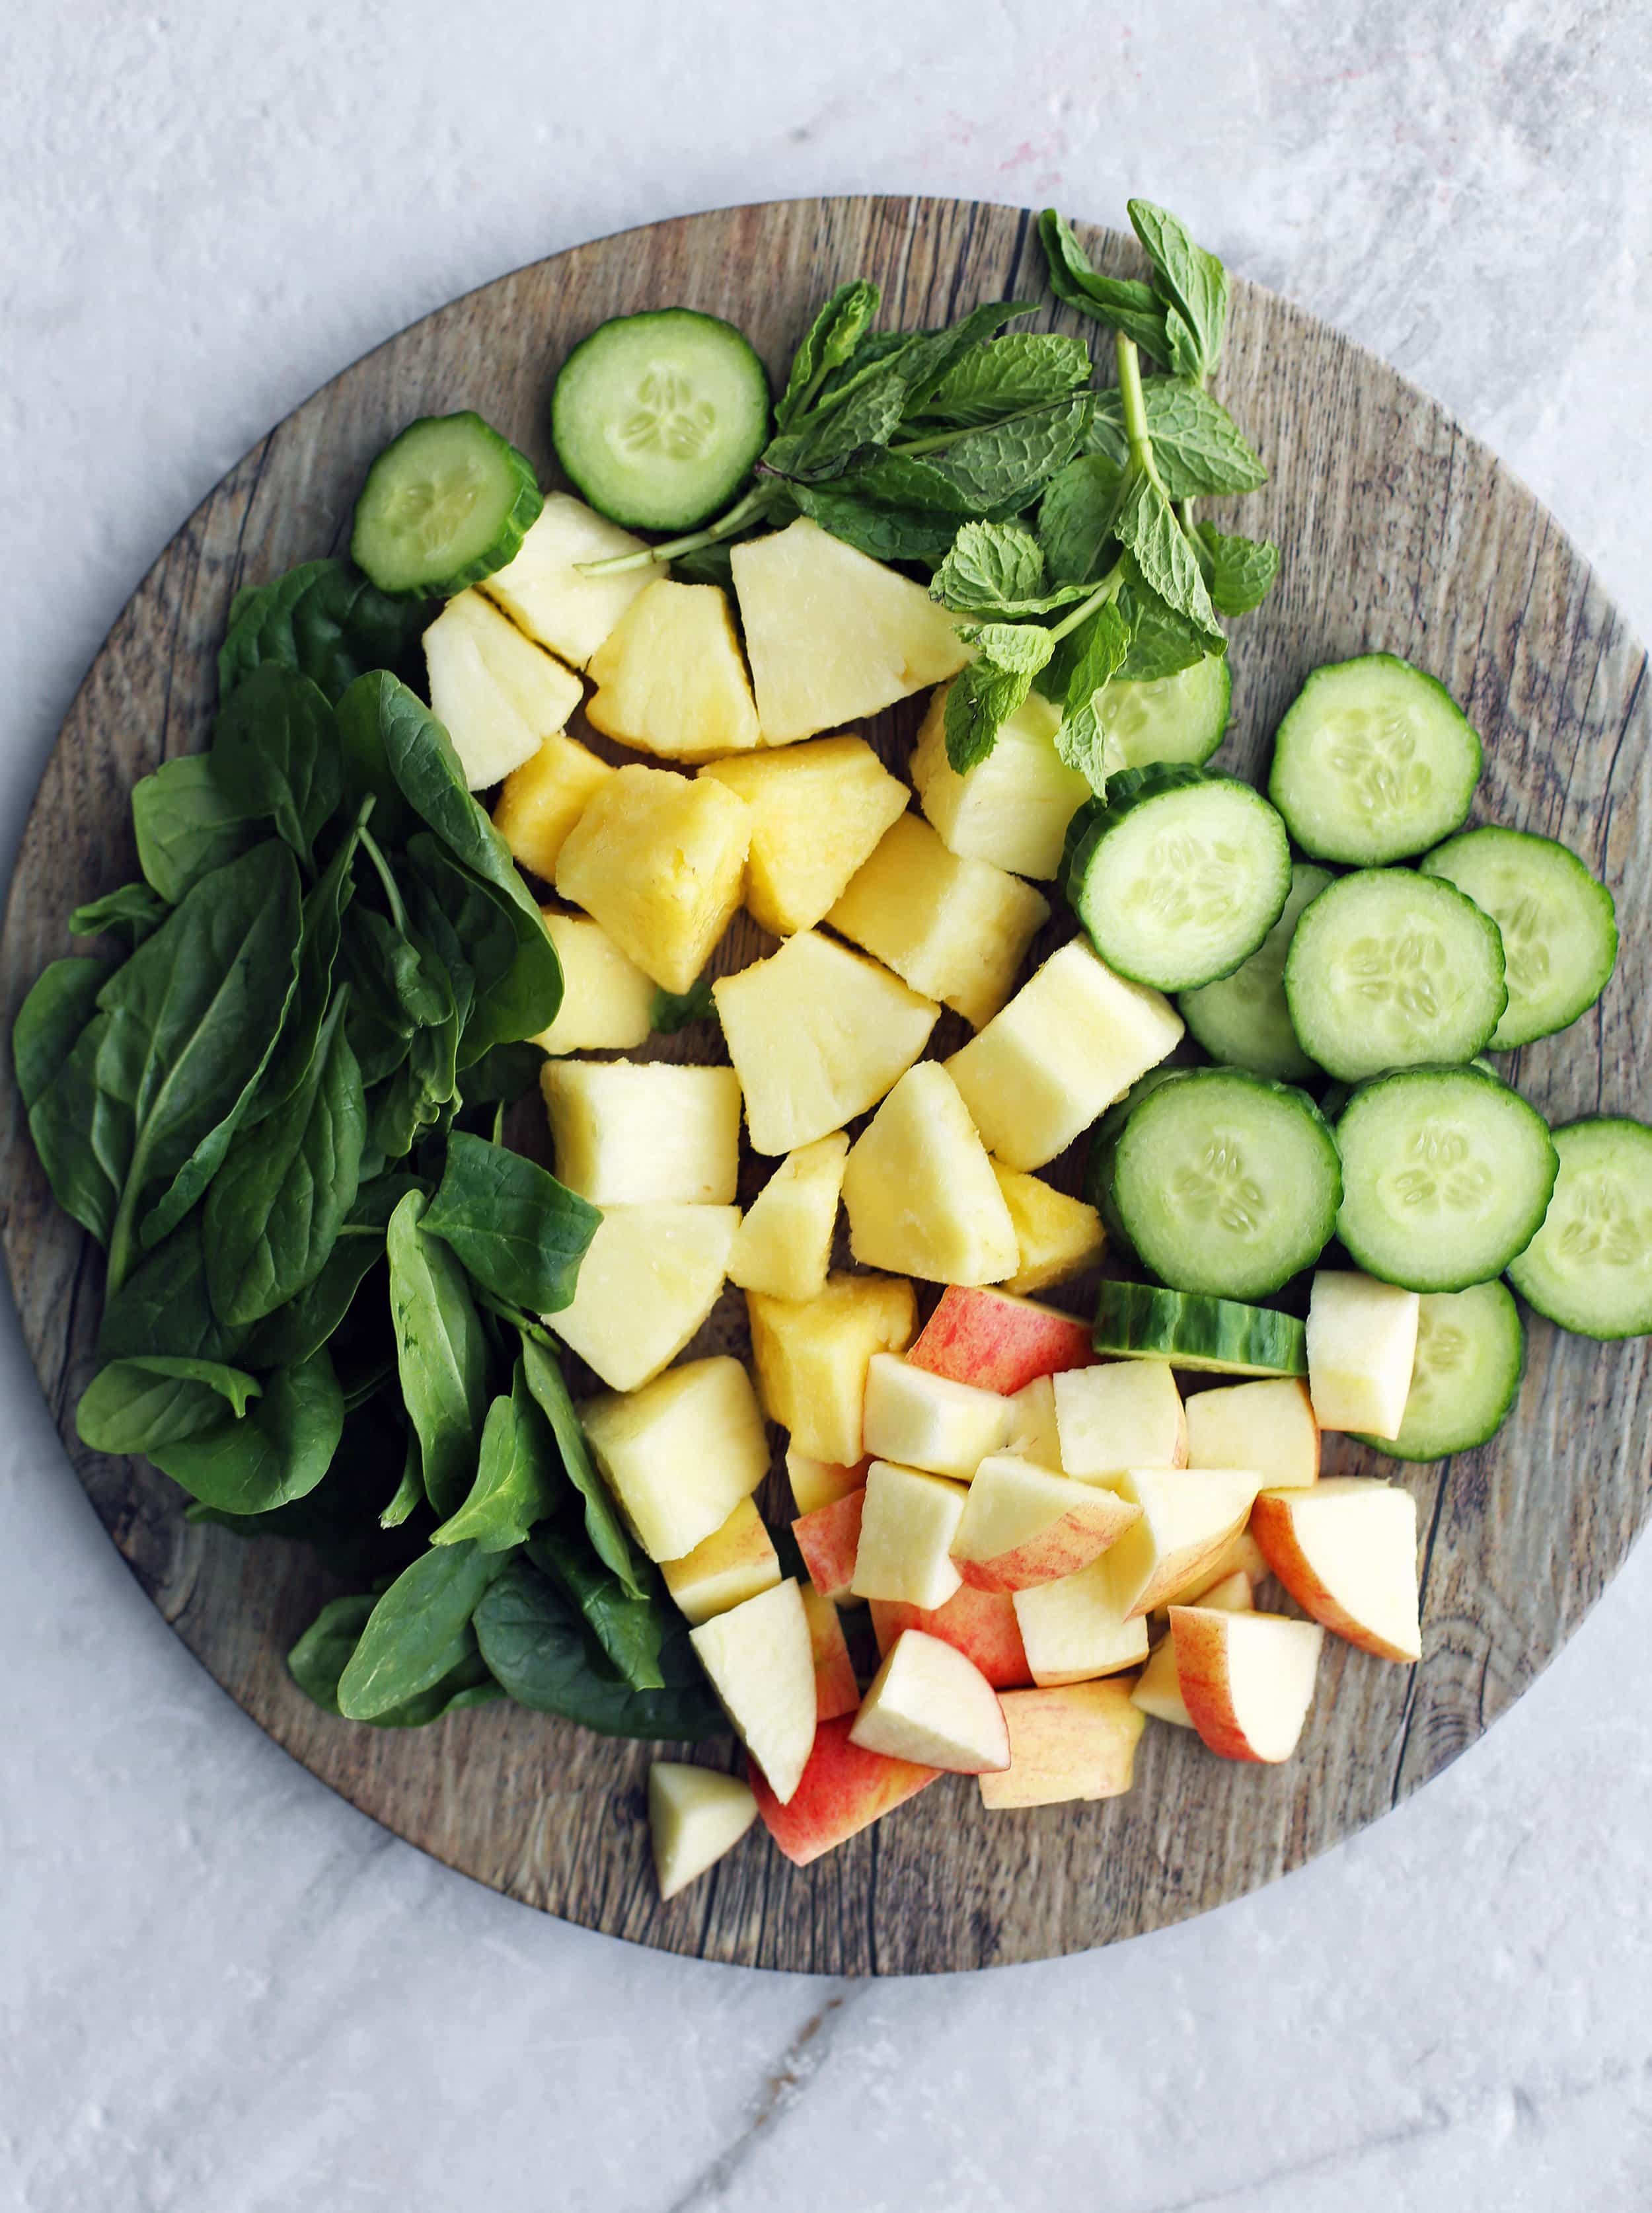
(1590, 1267)
(1242, 1019)
(1218, 1337)
(1471, 1352)
(445, 504)
(1559, 926)
(1374, 761)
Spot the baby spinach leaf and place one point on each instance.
(518, 1479)
(1075, 518)
(187, 825)
(276, 753)
(674, 1010)
(1193, 283)
(131, 914)
(631, 1631)
(419, 1631)
(62, 1002)
(504, 1074)
(601, 1523)
(513, 964)
(1239, 571)
(164, 1306)
(365, 761)
(519, 1232)
(1123, 304)
(441, 1354)
(134, 1405)
(294, 1331)
(321, 930)
(1198, 450)
(323, 619)
(1007, 374)
(319, 1658)
(83, 1132)
(279, 1450)
(408, 1494)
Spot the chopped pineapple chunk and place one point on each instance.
(1058, 1236)
(785, 1243)
(818, 811)
(543, 800)
(649, 1279)
(725, 1569)
(629, 1134)
(658, 860)
(670, 679)
(811, 1357)
(681, 1453)
(1012, 808)
(543, 591)
(497, 694)
(607, 1001)
(920, 1190)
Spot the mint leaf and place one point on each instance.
(1239, 571)
(1007, 463)
(977, 703)
(1075, 517)
(675, 1010)
(1162, 642)
(1199, 451)
(1123, 304)
(824, 445)
(884, 533)
(930, 357)
(998, 567)
(1023, 648)
(1147, 525)
(1080, 741)
(1025, 369)
(832, 338)
(1193, 283)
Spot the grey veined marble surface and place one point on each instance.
(221, 1990)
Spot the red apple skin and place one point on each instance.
(1062, 1549)
(982, 1625)
(836, 1691)
(1071, 1740)
(828, 1539)
(842, 1791)
(1272, 1526)
(1201, 1650)
(999, 1342)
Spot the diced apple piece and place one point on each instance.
(1247, 1679)
(497, 694)
(695, 1816)
(828, 1539)
(929, 1703)
(681, 1453)
(1023, 1526)
(818, 1035)
(1078, 1741)
(785, 1244)
(759, 1662)
(607, 1001)
(669, 676)
(546, 593)
(725, 1569)
(999, 1342)
(539, 802)
(920, 1190)
(630, 1133)
(1188, 1516)
(1362, 1345)
(1158, 1687)
(1078, 1628)
(843, 1790)
(907, 1531)
(1242, 1556)
(983, 1625)
(957, 930)
(816, 1483)
(1268, 1425)
(1347, 1552)
(922, 1420)
(811, 1357)
(1070, 1040)
(817, 811)
(1056, 1237)
(658, 859)
(836, 1691)
(1012, 808)
(650, 1276)
(833, 635)
(1033, 1435)
(1128, 1413)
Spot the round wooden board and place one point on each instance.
(1400, 533)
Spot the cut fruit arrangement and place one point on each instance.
(338, 1305)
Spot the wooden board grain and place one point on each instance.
(1400, 532)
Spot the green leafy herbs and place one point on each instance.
(519, 1232)
(419, 1632)
(675, 1010)
(318, 1662)
(322, 619)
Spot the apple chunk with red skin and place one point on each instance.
(828, 1539)
(1022, 1525)
(836, 1691)
(843, 1788)
(1189, 1516)
(1247, 1679)
(1347, 1552)
(983, 1625)
(928, 1704)
(998, 1341)
(1075, 1741)
(919, 1419)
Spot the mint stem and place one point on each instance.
(1107, 589)
(748, 510)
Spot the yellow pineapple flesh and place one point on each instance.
(541, 801)
(785, 1243)
(669, 676)
(607, 1001)
(817, 811)
(1057, 1237)
(1012, 808)
(811, 1357)
(544, 591)
(650, 1276)
(497, 694)
(920, 1190)
(631, 1134)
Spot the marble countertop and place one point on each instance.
(221, 1990)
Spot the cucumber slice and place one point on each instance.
(1390, 969)
(1446, 1175)
(1180, 875)
(1590, 1267)
(1372, 762)
(1242, 1019)
(658, 418)
(1227, 1183)
(1217, 1337)
(1168, 718)
(1559, 926)
(444, 505)
(1471, 1353)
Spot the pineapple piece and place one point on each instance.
(955, 930)
(1012, 808)
(497, 694)
(818, 811)
(543, 591)
(658, 860)
(811, 1357)
(1071, 1041)
(920, 1190)
(670, 679)
(631, 1134)
(785, 1243)
(816, 1483)
(833, 635)
(608, 1003)
(681, 1453)
(1057, 1237)
(817, 1034)
(725, 1569)
(542, 801)
(651, 1275)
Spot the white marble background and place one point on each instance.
(221, 1990)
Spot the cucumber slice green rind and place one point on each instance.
(1471, 1355)
(1227, 1183)
(1168, 718)
(1179, 874)
(1447, 1176)
(1558, 923)
(1391, 969)
(446, 503)
(1218, 1337)
(1590, 1267)
(1242, 1019)
(1374, 762)
(1103, 1151)
(658, 418)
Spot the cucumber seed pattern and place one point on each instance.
(667, 418)
(1600, 1228)
(1185, 880)
(1406, 975)
(1374, 750)
(1442, 1172)
(1215, 1186)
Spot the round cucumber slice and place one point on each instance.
(1390, 969)
(658, 418)
(1227, 1183)
(446, 503)
(1217, 1337)
(1471, 1353)
(1559, 926)
(1374, 761)
(1168, 718)
(1242, 1019)
(1446, 1175)
(1180, 875)
(1590, 1267)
